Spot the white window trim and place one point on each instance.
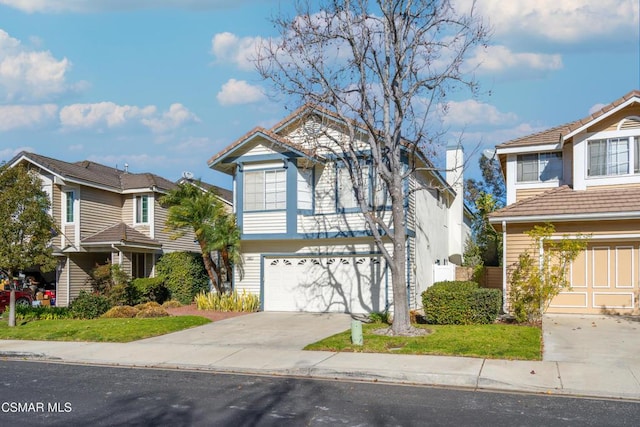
(65, 205)
(540, 181)
(581, 179)
(149, 209)
(264, 193)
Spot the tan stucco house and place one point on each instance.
(104, 214)
(583, 177)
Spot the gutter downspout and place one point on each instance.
(504, 266)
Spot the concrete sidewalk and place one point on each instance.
(609, 380)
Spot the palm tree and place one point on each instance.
(190, 206)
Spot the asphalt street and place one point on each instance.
(52, 394)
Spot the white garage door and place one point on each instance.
(345, 284)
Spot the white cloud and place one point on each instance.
(9, 153)
(102, 114)
(565, 21)
(26, 116)
(193, 143)
(236, 92)
(498, 58)
(228, 47)
(472, 112)
(108, 115)
(27, 74)
(32, 6)
(596, 107)
(176, 117)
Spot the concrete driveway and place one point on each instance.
(595, 339)
(274, 330)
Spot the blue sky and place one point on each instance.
(163, 85)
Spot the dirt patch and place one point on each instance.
(413, 332)
(192, 310)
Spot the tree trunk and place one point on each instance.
(212, 269)
(401, 320)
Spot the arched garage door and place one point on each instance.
(344, 284)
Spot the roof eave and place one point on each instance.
(625, 104)
(566, 217)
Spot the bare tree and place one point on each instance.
(381, 67)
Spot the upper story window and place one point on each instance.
(265, 190)
(374, 189)
(536, 167)
(70, 202)
(305, 189)
(142, 209)
(346, 195)
(611, 156)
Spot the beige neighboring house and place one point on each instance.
(583, 177)
(104, 214)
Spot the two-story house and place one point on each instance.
(104, 214)
(305, 243)
(583, 177)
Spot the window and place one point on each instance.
(305, 189)
(346, 195)
(70, 199)
(142, 209)
(608, 157)
(265, 190)
(374, 189)
(539, 167)
(636, 146)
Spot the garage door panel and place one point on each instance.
(600, 266)
(624, 266)
(332, 284)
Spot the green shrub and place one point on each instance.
(486, 304)
(148, 289)
(89, 306)
(380, 317)
(171, 304)
(460, 303)
(29, 313)
(183, 274)
(234, 301)
(152, 311)
(121, 311)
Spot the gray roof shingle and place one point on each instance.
(98, 174)
(120, 232)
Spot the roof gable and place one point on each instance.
(96, 175)
(560, 134)
(253, 138)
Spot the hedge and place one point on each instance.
(183, 274)
(460, 303)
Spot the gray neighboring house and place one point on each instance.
(104, 214)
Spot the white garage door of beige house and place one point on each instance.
(344, 284)
(603, 278)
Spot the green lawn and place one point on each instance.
(100, 330)
(490, 341)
